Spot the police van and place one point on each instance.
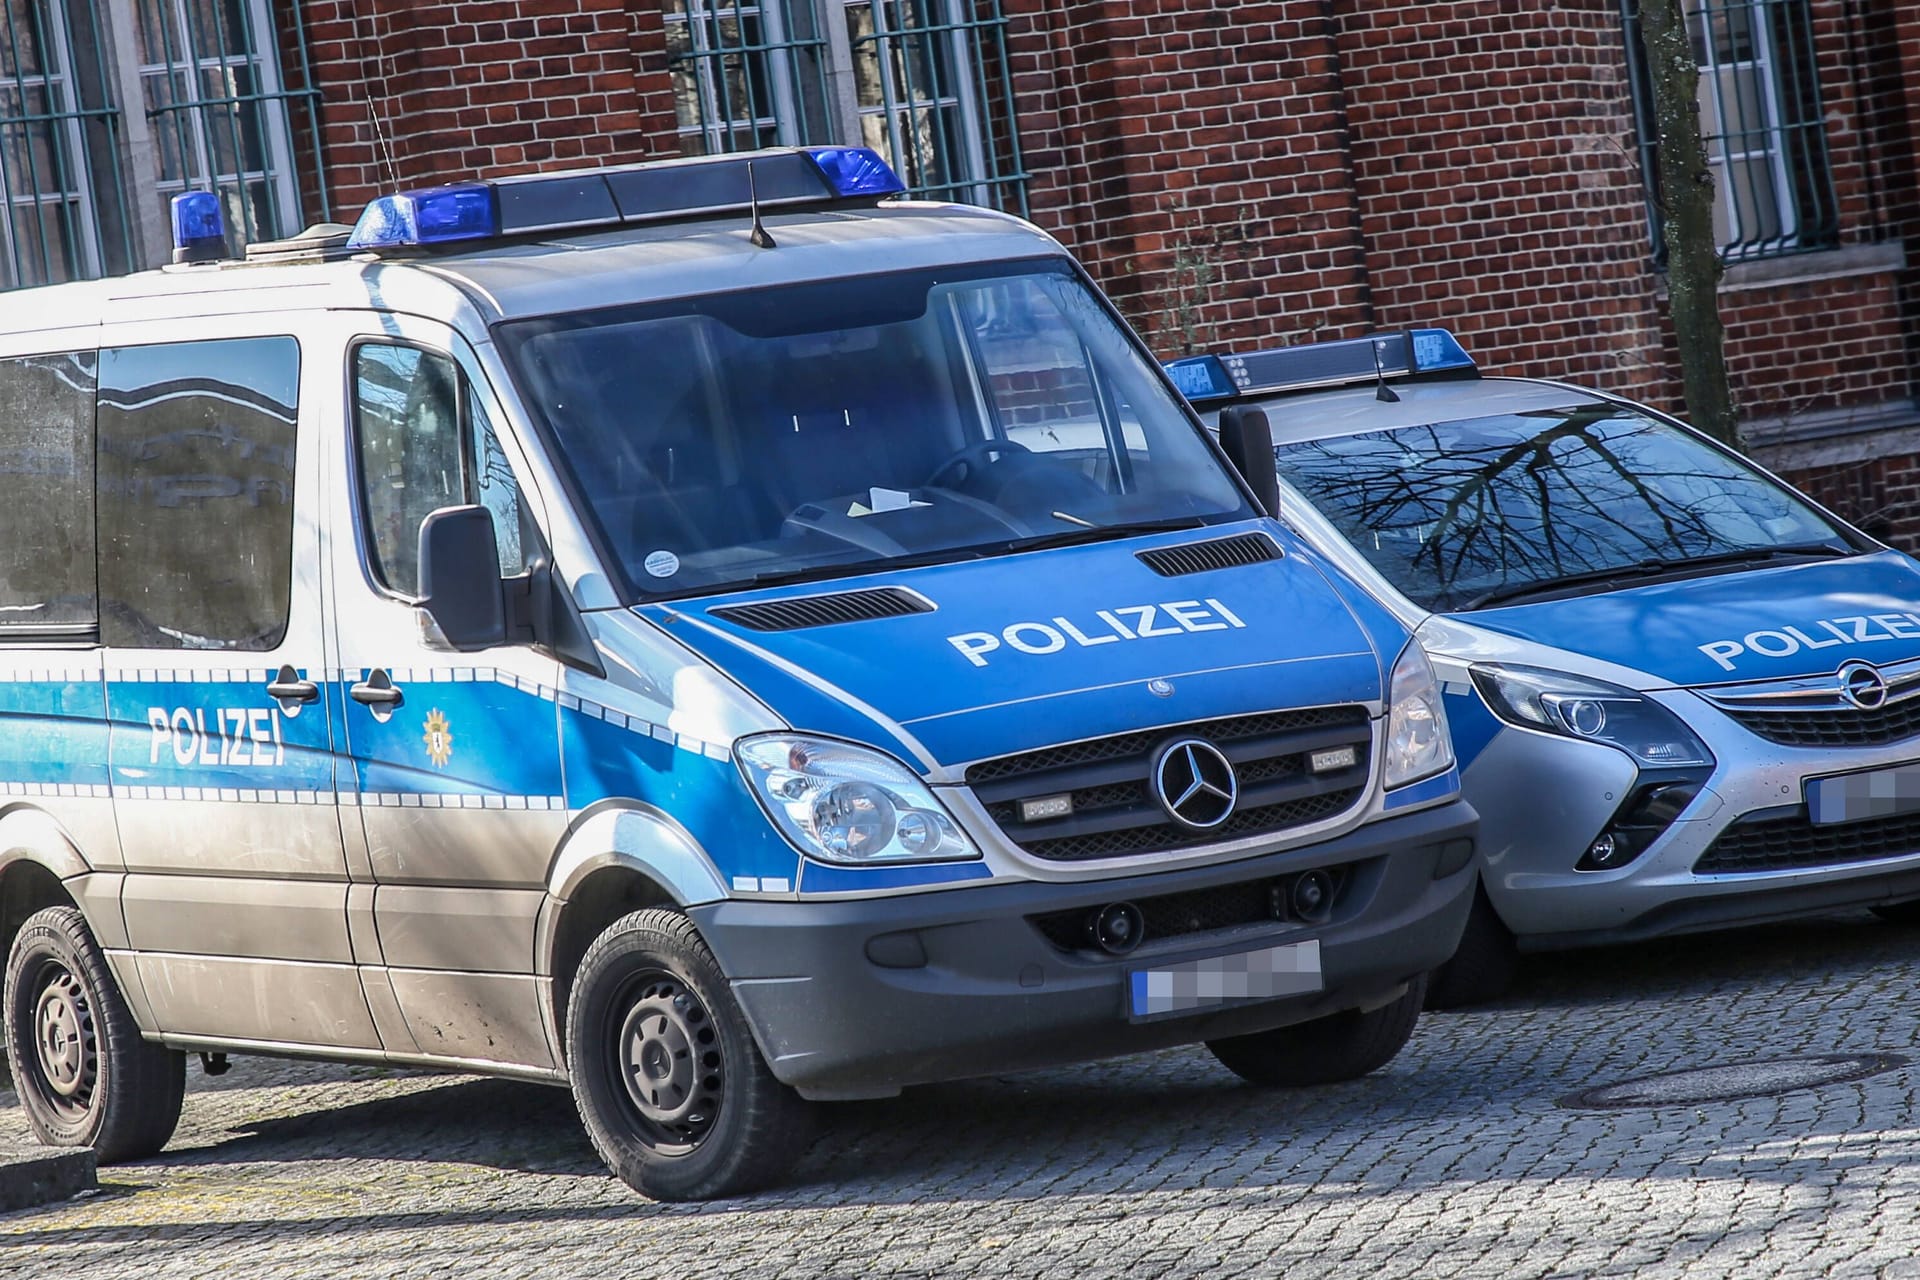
(711, 634)
(1683, 696)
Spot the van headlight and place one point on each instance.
(1418, 745)
(841, 803)
(1591, 710)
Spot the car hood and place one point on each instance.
(1052, 646)
(1758, 624)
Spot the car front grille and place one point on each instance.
(1115, 815)
(1834, 727)
(1196, 911)
(1791, 842)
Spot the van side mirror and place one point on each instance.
(460, 584)
(1247, 440)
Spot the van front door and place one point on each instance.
(455, 757)
(220, 746)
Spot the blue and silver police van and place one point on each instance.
(710, 634)
(1683, 695)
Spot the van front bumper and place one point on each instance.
(859, 998)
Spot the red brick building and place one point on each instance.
(1234, 173)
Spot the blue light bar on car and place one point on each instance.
(1411, 353)
(856, 171)
(439, 215)
(1201, 377)
(199, 227)
(701, 186)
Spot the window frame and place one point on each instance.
(467, 392)
(301, 355)
(68, 634)
(1799, 162)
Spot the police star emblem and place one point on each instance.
(439, 739)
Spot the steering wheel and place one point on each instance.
(974, 457)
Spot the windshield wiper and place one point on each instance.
(1651, 567)
(1102, 533)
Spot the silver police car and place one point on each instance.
(1683, 696)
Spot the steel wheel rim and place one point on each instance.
(66, 1044)
(665, 1051)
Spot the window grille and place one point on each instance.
(924, 82)
(1760, 118)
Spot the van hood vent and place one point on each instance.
(801, 612)
(1219, 553)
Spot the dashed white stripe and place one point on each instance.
(75, 790)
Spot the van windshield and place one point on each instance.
(1486, 511)
(831, 428)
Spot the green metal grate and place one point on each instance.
(1761, 119)
(924, 82)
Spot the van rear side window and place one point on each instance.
(196, 493)
(46, 491)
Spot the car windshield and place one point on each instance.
(823, 429)
(1479, 511)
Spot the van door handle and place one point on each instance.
(377, 690)
(287, 686)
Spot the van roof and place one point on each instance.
(558, 272)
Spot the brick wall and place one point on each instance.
(468, 87)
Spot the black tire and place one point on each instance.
(1482, 966)
(1327, 1050)
(84, 1075)
(702, 1117)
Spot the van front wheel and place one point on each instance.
(85, 1076)
(667, 1078)
(1343, 1046)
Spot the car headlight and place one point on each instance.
(841, 803)
(1418, 745)
(1592, 710)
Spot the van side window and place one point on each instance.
(424, 443)
(195, 466)
(46, 490)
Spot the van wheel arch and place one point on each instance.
(27, 887)
(602, 898)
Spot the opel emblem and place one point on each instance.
(1862, 684)
(1195, 783)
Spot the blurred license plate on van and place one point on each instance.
(1291, 970)
(1855, 797)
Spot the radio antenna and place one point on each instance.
(376, 114)
(760, 238)
(1381, 390)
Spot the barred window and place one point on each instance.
(1761, 121)
(85, 178)
(924, 82)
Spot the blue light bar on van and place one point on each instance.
(584, 199)
(199, 227)
(1410, 353)
(856, 171)
(439, 215)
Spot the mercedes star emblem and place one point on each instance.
(1195, 783)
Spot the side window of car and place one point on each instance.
(47, 583)
(195, 483)
(423, 442)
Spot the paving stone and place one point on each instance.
(1456, 1160)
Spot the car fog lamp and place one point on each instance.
(1604, 849)
(854, 819)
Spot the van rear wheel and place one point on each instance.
(1343, 1046)
(668, 1081)
(85, 1076)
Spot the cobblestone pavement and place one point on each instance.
(1455, 1160)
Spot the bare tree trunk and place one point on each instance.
(1686, 199)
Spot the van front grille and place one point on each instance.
(1109, 807)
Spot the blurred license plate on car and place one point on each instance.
(1855, 797)
(1291, 970)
